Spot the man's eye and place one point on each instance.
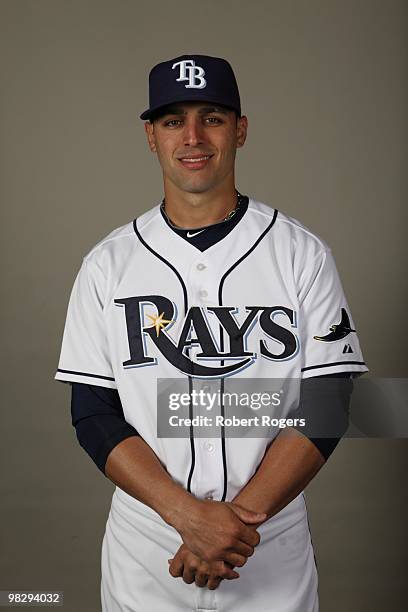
(213, 120)
(172, 122)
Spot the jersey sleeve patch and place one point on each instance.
(328, 333)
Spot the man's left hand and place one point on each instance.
(191, 568)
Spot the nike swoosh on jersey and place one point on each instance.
(190, 235)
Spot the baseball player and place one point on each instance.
(209, 286)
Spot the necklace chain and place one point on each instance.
(227, 218)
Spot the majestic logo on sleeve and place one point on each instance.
(338, 331)
(151, 317)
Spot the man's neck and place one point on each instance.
(192, 210)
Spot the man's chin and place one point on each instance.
(196, 187)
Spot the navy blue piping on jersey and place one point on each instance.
(335, 363)
(176, 272)
(84, 374)
(220, 288)
(192, 445)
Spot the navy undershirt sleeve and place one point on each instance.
(100, 424)
(98, 418)
(330, 395)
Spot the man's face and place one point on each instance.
(185, 133)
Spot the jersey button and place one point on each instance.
(209, 447)
(201, 266)
(203, 293)
(209, 497)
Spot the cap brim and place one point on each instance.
(147, 114)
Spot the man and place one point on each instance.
(208, 285)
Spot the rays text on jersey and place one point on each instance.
(232, 345)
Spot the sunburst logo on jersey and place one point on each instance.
(158, 322)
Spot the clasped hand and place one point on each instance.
(217, 536)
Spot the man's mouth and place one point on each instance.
(195, 163)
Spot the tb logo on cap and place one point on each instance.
(191, 73)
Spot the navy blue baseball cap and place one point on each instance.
(191, 78)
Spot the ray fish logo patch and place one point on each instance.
(338, 331)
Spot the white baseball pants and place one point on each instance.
(281, 576)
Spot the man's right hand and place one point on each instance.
(218, 531)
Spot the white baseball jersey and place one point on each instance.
(264, 302)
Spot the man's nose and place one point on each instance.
(193, 131)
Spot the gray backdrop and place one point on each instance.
(324, 86)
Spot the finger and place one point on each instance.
(201, 579)
(241, 548)
(222, 570)
(176, 567)
(229, 574)
(250, 536)
(189, 573)
(213, 583)
(235, 559)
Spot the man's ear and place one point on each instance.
(150, 136)
(242, 127)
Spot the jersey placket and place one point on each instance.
(208, 479)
